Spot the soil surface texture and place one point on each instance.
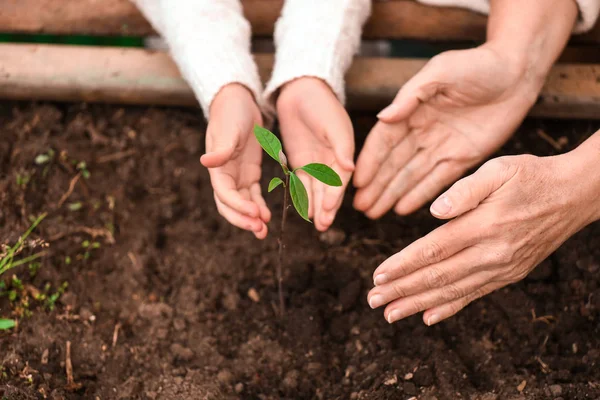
(145, 292)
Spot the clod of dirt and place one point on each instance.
(333, 237)
(410, 388)
(349, 294)
(423, 376)
(181, 353)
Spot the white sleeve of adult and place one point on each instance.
(588, 10)
(209, 41)
(316, 38)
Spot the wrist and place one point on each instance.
(531, 37)
(230, 92)
(579, 166)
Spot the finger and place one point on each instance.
(438, 245)
(227, 192)
(434, 276)
(258, 199)
(408, 306)
(444, 174)
(407, 178)
(380, 142)
(366, 196)
(446, 310)
(241, 221)
(308, 184)
(419, 89)
(469, 192)
(334, 195)
(319, 192)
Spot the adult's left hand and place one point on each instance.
(508, 217)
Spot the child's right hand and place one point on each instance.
(234, 158)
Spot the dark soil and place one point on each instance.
(164, 312)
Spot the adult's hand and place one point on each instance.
(233, 157)
(315, 127)
(508, 217)
(460, 108)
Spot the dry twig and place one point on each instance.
(71, 384)
(69, 191)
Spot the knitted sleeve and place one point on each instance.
(209, 41)
(588, 10)
(316, 38)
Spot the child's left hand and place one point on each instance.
(316, 128)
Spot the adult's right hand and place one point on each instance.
(459, 109)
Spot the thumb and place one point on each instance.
(419, 89)
(217, 158)
(469, 192)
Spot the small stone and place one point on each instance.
(556, 390)
(253, 294)
(290, 381)
(408, 376)
(333, 237)
(44, 359)
(423, 377)
(521, 386)
(391, 380)
(410, 388)
(225, 377)
(181, 353)
(239, 387)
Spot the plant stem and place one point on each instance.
(282, 247)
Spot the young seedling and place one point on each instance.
(293, 186)
(7, 261)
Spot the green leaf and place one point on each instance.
(7, 324)
(274, 183)
(268, 141)
(323, 173)
(299, 196)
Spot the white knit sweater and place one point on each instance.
(210, 41)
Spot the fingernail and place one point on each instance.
(388, 112)
(376, 301)
(380, 279)
(394, 316)
(433, 319)
(441, 206)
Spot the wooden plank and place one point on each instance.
(135, 76)
(399, 19)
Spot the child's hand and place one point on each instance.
(234, 157)
(316, 129)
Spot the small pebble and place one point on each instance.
(239, 387)
(253, 294)
(225, 377)
(556, 390)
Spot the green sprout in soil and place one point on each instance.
(9, 261)
(292, 186)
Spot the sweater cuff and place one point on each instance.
(209, 41)
(588, 10)
(588, 15)
(316, 38)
